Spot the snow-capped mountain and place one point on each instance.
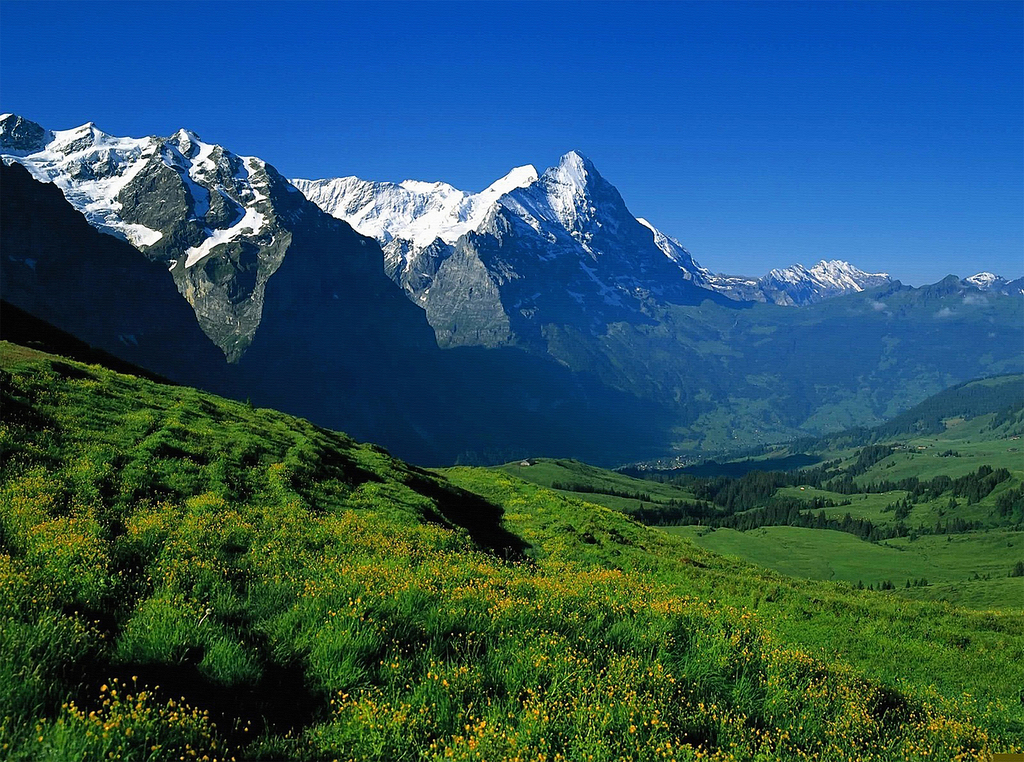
(799, 285)
(220, 222)
(418, 224)
(414, 218)
(104, 177)
(496, 266)
(178, 199)
(989, 282)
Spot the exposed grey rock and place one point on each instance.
(20, 136)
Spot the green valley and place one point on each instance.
(930, 504)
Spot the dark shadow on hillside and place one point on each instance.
(280, 701)
(18, 410)
(19, 327)
(478, 516)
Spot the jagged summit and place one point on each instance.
(574, 169)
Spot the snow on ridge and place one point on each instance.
(422, 212)
(985, 280)
(675, 251)
(517, 177)
(92, 167)
(413, 210)
(252, 221)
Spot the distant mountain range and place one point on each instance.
(570, 326)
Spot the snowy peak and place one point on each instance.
(574, 170)
(81, 138)
(835, 275)
(89, 166)
(799, 285)
(568, 186)
(985, 281)
(990, 282)
(572, 198)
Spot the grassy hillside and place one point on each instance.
(598, 485)
(186, 577)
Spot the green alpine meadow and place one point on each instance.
(188, 577)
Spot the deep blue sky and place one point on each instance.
(887, 134)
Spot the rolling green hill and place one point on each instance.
(182, 576)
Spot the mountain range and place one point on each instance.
(419, 225)
(536, 315)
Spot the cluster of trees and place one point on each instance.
(1010, 504)
(792, 512)
(751, 501)
(973, 486)
(901, 508)
(888, 585)
(675, 513)
(867, 457)
(756, 488)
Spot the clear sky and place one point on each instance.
(758, 134)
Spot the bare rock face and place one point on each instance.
(19, 136)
